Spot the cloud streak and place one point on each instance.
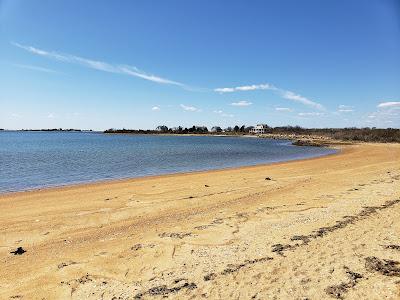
(386, 113)
(286, 109)
(223, 114)
(388, 104)
(310, 114)
(298, 98)
(99, 65)
(241, 103)
(36, 68)
(253, 87)
(189, 108)
(289, 95)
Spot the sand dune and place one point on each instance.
(313, 229)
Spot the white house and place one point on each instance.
(259, 129)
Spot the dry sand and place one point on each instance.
(318, 229)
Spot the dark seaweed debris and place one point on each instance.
(231, 268)
(393, 247)
(66, 264)
(346, 221)
(338, 291)
(137, 247)
(384, 266)
(175, 235)
(165, 291)
(210, 276)
(279, 248)
(19, 251)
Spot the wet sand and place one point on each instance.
(320, 228)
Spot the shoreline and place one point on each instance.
(121, 180)
(292, 230)
(312, 136)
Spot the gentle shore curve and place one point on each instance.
(315, 228)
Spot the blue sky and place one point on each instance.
(139, 64)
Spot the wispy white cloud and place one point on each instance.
(36, 68)
(252, 87)
(286, 109)
(223, 114)
(224, 90)
(51, 116)
(189, 108)
(15, 116)
(281, 92)
(298, 98)
(389, 104)
(241, 103)
(132, 71)
(155, 108)
(387, 113)
(310, 114)
(345, 108)
(99, 65)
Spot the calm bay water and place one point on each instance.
(31, 160)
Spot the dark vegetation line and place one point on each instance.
(50, 129)
(367, 134)
(388, 135)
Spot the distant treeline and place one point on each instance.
(346, 134)
(53, 129)
(367, 134)
(183, 130)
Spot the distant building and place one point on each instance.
(216, 129)
(259, 129)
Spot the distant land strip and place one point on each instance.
(299, 135)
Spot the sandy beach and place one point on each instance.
(319, 228)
